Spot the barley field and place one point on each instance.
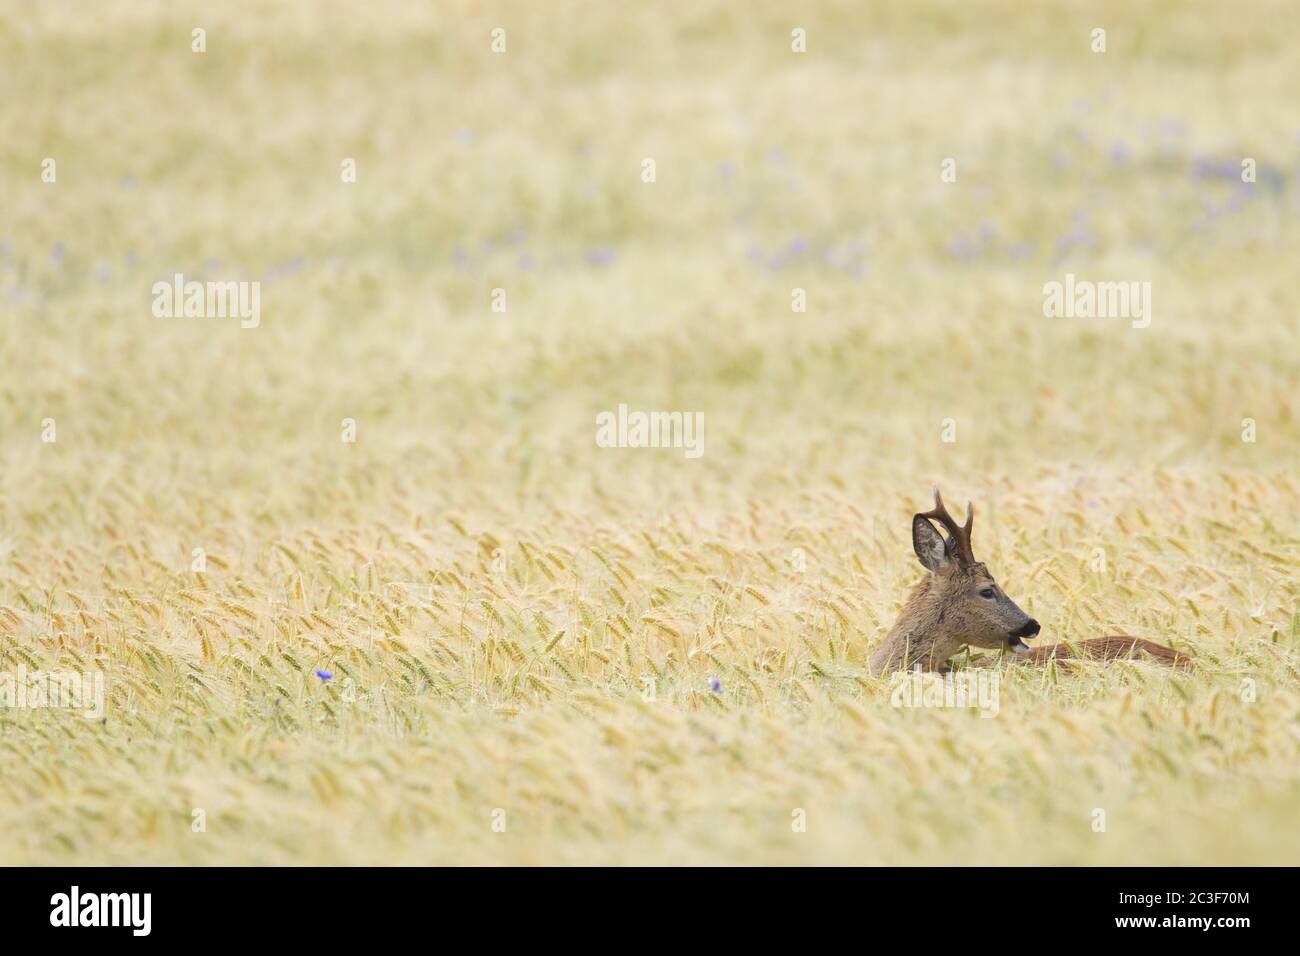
(363, 587)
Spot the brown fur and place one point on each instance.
(936, 622)
(1111, 649)
(958, 604)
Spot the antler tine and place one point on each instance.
(960, 533)
(940, 514)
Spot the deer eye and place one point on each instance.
(988, 593)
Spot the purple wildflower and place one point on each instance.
(962, 247)
(600, 257)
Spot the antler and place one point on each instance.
(960, 535)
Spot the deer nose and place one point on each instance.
(1029, 629)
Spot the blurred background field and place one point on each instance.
(494, 593)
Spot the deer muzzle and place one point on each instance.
(1029, 629)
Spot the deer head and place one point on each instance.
(957, 604)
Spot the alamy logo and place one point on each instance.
(961, 689)
(103, 909)
(651, 430)
(1083, 299)
(179, 299)
(37, 690)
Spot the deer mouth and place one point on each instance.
(1029, 629)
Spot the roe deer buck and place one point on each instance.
(960, 604)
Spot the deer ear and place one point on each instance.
(928, 544)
